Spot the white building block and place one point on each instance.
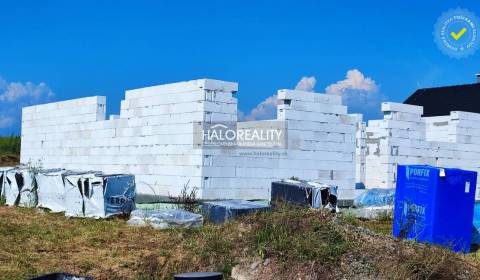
(306, 96)
(399, 107)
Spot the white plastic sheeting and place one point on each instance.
(372, 212)
(3, 180)
(76, 184)
(165, 218)
(20, 187)
(324, 196)
(51, 189)
(77, 193)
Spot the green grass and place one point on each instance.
(299, 243)
(34, 242)
(10, 145)
(291, 235)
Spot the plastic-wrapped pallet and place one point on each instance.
(75, 185)
(3, 180)
(96, 195)
(20, 187)
(305, 193)
(165, 218)
(51, 189)
(222, 211)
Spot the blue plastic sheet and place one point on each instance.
(224, 210)
(375, 197)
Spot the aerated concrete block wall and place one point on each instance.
(321, 137)
(404, 137)
(321, 148)
(153, 138)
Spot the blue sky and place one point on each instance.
(83, 48)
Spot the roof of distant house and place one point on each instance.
(441, 101)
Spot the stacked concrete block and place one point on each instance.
(437, 128)
(48, 129)
(206, 101)
(321, 137)
(154, 139)
(360, 151)
(164, 118)
(320, 147)
(404, 137)
(397, 139)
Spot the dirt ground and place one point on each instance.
(9, 160)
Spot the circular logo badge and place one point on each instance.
(456, 33)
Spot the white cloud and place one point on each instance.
(15, 91)
(266, 110)
(14, 96)
(361, 94)
(354, 80)
(306, 84)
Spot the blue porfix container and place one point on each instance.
(435, 205)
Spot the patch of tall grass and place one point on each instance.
(10, 145)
